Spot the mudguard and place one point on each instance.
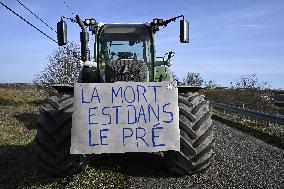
(186, 89)
(63, 88)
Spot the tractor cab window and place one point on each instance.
(117, 42)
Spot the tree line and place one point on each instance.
(63, 68)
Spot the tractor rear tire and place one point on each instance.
(196, 136)
(53, 137)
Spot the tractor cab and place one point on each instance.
(122, 52)
(124, 41)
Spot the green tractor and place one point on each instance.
(123, 53)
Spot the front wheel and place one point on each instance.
(196, 136)
(53, 137)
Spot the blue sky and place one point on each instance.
(228, 38)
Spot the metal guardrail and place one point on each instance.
(250, 113)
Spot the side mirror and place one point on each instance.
(184, 31)
(62, 33)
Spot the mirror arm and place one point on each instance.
(84, 38)
(81, 24)
(166, 22)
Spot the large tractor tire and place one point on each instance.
(196, 136)
(53, 137)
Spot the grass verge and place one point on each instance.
(270, 133)
(19, 168)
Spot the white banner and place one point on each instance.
(125, 117)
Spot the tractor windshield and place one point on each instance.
(117, 42)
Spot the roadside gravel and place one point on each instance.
(240, 161)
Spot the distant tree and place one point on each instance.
(250, 81)
(193, 79)
(254, 88)
(210, 84)
(62, 66)
(248, 92)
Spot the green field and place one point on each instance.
(271, 133)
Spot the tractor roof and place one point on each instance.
(124, 24)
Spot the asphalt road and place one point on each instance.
(240, 161)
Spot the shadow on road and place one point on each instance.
(19, 167)
(149, 165)
(28, 119)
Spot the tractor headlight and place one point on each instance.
(93, 21)
(155, 21)
(87, 22)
